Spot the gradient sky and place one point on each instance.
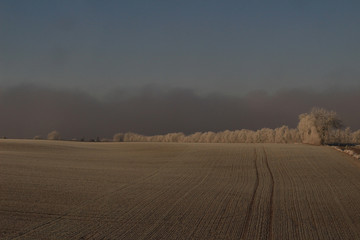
(231, 47)
(94, 68)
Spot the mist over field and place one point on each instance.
(31, 110)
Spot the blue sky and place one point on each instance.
(230, 47)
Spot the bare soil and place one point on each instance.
(74, 190)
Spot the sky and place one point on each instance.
(121, 51)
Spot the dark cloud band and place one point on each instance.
(27, 111)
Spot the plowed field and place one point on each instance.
(73, 190)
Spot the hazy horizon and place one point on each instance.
(33, 110)
(91, 68)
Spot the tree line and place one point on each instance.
(319, 126)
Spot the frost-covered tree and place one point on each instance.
(325, 122)
(118, 137)
(54, 135)
(282, 135)
(355, 137)
(307, 129)
(134, 137)
(347, 135)
(318, 126)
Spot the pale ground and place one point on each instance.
(72, 190)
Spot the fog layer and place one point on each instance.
(27, 111)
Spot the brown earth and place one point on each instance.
(72, 190)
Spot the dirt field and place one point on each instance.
(70, 190)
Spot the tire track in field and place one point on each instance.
(260, 213)
(176, 223)
(251, 205)
(84, 204)
(271, 211)
(209, 224)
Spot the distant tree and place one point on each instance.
(318, 126)
(347, 135)
(54, 135)
(118, 137)
(356, 137)
(267, 135)
(195, 137)
(294, 136)
(307, 129)
(325, 122)
(134, 137)
(37, 137)
(250, 136)
(177, 137)
(282, 135)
